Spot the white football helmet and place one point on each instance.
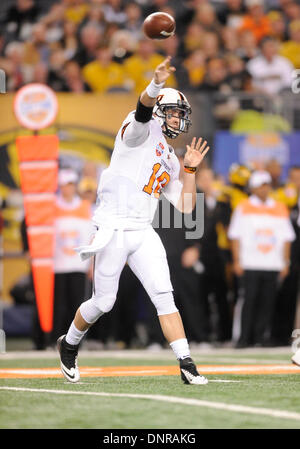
(167, 99)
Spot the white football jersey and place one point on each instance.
(130, 187)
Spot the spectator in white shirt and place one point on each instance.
(271, 73)
(72, 229)
(261, 235)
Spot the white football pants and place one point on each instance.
(146, 256)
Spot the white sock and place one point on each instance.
(74, 335)
(181, 348)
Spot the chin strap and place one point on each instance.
(169, 133)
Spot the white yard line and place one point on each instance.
(175, 400)
(225, 381)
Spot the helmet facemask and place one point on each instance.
(184, 111)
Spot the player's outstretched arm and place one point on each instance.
(192, 159)
(137, 131)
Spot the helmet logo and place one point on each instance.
(159, 98)
(181, 96)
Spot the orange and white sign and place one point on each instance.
(262, 229)
(38, 167)
(35, 106)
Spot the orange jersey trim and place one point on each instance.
(123, 130)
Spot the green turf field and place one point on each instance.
(266, 401)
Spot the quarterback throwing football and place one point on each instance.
(142, 166)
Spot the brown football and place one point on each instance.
(159, 25)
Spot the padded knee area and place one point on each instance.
(95, 307)
(104, 302)
(164, 303)
(90, 312)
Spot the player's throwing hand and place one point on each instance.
(163, 71)
(195, 152)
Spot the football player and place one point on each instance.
(142, 166)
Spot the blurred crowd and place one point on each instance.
(220, 47)
(236, 285)
(98, 45)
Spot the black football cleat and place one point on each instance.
(189, 373)
(68, 359)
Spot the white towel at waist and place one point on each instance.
(101, 238)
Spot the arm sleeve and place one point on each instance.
(135, 133)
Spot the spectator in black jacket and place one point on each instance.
(213, 284)
(90, 39)
(20, 18)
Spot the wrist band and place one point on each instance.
(153, 89)
(190, 169)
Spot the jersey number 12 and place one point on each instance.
(162, 181)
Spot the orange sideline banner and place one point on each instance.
(39, 209)
(38, 157)
(40, 241)
(37, 148)
(43, 279)
(38, 177)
